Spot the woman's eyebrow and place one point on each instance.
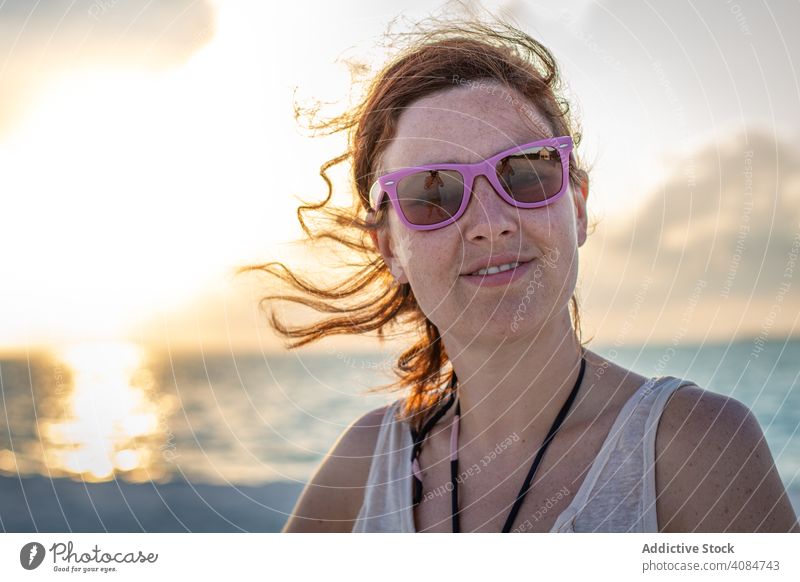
(508, 147)
(496, 152)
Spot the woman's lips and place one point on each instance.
(502, 278)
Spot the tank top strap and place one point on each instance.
(656, 402)
(387, 493)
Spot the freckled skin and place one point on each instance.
(714, 471)
(466, 125)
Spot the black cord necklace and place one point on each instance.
(418, 439)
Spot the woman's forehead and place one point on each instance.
(463, 125)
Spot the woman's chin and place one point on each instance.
(506, 326)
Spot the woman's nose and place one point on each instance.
(488, 216)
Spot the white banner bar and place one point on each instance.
(386, 557)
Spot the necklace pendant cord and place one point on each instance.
(419, 438)
(454, 470)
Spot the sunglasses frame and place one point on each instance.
(388, 183)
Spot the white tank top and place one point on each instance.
(617, 495)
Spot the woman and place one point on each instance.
(476, 205)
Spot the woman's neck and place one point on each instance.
(516, 388)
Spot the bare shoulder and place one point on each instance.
(332, 498)
(714, 469)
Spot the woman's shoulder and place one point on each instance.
(352, 453)
(714, 469)
(361, 435)
(693, 415)
(332, 498)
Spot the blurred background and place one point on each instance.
(147, 149)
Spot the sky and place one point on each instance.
(149, 148)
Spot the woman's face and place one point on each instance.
(466, 124)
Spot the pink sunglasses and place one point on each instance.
(433, 196)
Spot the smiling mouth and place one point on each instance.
(498, 269)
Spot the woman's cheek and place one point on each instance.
(403, 249)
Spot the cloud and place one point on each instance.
(727, 219)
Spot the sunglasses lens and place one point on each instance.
(532, 175)
(431, 196)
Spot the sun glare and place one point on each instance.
(109, 421)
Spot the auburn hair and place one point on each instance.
(369, 299)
